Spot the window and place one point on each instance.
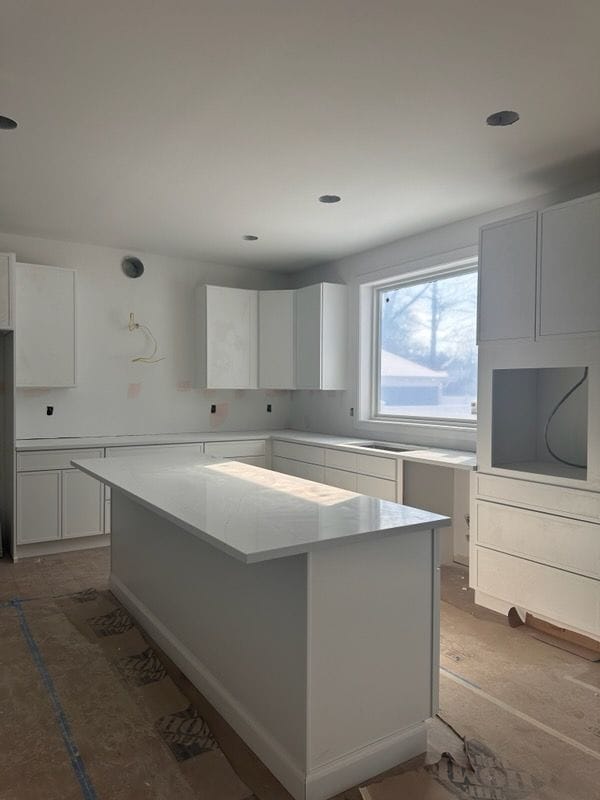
(425, 350)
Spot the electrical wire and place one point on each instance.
(151, 359)
(553, 412)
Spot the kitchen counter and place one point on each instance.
(456, 459)
(251, 513)
(307, 615)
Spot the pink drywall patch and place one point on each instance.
(133, 391)
(240, 392)
(220, 415)
(208, 392)
(184, 386)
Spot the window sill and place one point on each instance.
(458, 436)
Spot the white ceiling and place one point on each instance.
(177, 126)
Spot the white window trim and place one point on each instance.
(440, 433)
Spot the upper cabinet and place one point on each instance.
(45, 336)
(507, 274)
(227, 338)
(276, 339)
(7, 291)
(569, 281)
(321, 336)
(539, 274)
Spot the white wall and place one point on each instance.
(115, 396)
(330, 411)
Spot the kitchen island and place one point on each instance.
(306, 614)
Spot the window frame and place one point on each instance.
(430, 274)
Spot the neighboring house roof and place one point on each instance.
(399, 367)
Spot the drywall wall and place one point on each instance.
(114, 395)
(330, 411)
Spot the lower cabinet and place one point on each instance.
(38, 507)
(82, 505)
(58, 504)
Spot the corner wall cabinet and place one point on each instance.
(46, 321)
(279, 339)
(7, 291)
(276, 336)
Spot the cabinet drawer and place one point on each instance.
(376, 487)
(146, 449)
(310, 472)
(569, 599)
(565, 543)
(573, 502)
(256, 461)
(299, 452)
(377, 466)
(252, 447)
(340, 478)
(341, 459)
(52, 459)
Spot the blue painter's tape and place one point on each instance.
(87, 789)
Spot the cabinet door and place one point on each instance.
(507, 278)
(6, 291)
(569, 286)
(276, 340)
(229, 335)
(82, 505)
(38, 507)
(308, 337)
(45, 339)
(334, 336)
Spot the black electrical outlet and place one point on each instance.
(49, 410)
(269, 408)
(213, 409)
(352, 412)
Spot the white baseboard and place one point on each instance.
(366, 762)
(61, 546)
(256, 737)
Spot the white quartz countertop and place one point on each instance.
(252, 513)
(456, 459)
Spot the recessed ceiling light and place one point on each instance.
(502, 118)
(249, 237)
(7, 124)
(329, 198)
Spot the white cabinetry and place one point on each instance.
(276, 339)
(227, 338)
(54, 500)
(45, 300)
(321, 336)
(507, 279)
(38, 507)
(7, 291)
(569, 284)
(82, 505)
(249, 451)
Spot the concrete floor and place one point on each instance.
(535, 706)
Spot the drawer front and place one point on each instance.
(376, 487)
(299, 452)
(53, 459)
(573, 502)
(566, 543)
(146, 449)
(568, 599)
(252, 447)
(376, 466)
(310, 472)
(256, 461)
(340, 478)
(340, 459)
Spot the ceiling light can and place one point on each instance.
(7, 124)
(249, 237)
(501, 119)
(329, 198)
